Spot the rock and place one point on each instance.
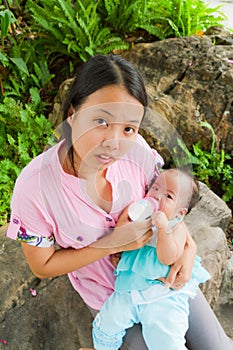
(219, 35)
(224, 306)
(207, 222)
(56, 116)
(189, 80)
(226, 295)
(57, 318)
(210, 210)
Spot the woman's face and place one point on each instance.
(104, 127)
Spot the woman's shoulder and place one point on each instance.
(27, 202)
(28, 183)
(38, 164)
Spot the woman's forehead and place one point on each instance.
(115, 111)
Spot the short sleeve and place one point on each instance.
(21, 234)
(13, 227)
(27, 209)
(37, 241)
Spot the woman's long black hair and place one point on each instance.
(100, 71)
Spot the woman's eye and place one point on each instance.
(129, 130)
(101, 121)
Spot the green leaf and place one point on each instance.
(19, 62)
(3, 58)
(11, 140)
(35, 96)
(5, 22)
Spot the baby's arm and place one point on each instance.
(170, 246)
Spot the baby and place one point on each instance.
(140, 296)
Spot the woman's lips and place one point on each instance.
(104, 158)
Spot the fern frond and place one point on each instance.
(41, 17)
(69, 13)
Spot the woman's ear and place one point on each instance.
(71, 112)
(182, 212)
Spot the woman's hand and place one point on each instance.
(181, 270)
(127, 235)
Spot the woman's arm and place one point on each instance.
(48, 262)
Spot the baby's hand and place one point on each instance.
(160, 220)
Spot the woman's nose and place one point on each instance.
(111, 143)
(112, 139)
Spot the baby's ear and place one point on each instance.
(182, 212)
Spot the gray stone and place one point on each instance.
(210, 210)
(56, 319)
(189, 80)
(207, 222)
(226, 293)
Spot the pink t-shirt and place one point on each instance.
(47, 201)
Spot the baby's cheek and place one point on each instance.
(151, 193)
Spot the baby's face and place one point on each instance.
(170, 189)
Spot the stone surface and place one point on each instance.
(56, 319)
(207, 222)
(189, 80)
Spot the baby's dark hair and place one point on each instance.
(195, 194)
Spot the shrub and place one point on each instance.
(213, 167)
(72, 28)
(23, 136)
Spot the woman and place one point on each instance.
(75, 192)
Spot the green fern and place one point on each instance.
(182, 17)
(41, 16)
(73, 29)
(24, 132)
(125, 15)
(9, 172)
(210, 166)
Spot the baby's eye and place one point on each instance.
(129, 130)
(169, 196)
(101, 121)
